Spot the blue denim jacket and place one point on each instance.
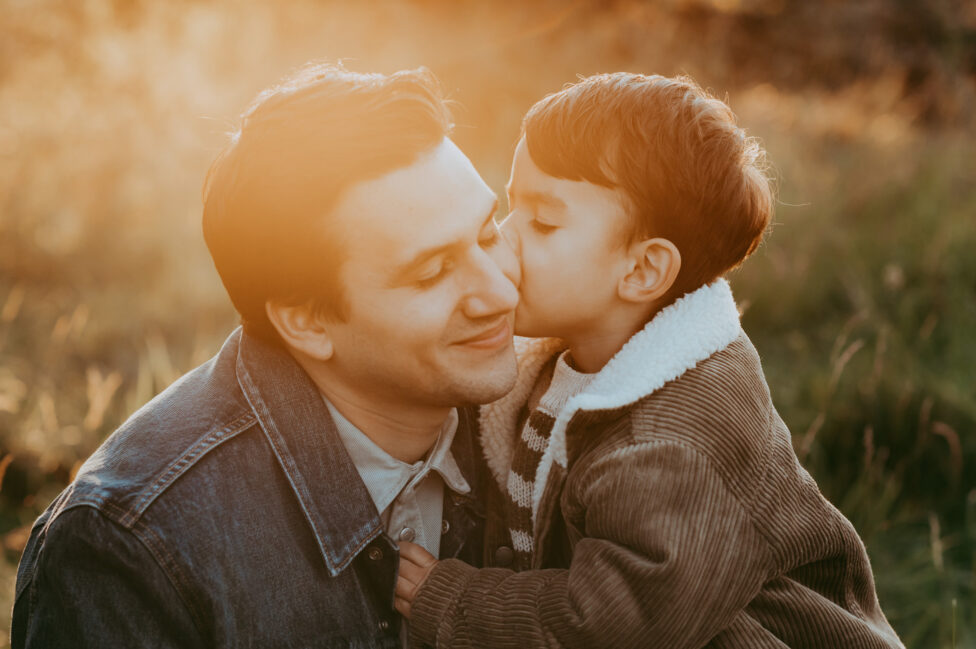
(224, 513)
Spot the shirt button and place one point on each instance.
(384, 625)
(375, 554)
(504, 556)
(445, 526)
(407, 534)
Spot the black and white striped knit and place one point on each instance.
(565, 383)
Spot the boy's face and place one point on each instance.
(572, 243)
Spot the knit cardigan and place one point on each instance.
(669, 511)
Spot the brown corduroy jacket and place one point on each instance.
(670, 511)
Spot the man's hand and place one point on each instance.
(415, 564)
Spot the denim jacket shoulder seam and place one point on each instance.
(106, 508)
(180, 465)
(169, 567)
(166, 565)
(109, 511)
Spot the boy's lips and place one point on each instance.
(492, 338)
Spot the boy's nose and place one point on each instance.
(511, 236)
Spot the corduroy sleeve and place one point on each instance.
(669, 557)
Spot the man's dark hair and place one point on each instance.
(301, 143)
(687, 171)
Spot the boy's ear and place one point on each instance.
(301, 328)
(654, 266)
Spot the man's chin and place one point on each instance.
(487, 381)
(521, 326)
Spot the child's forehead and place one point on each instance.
(565, 195)
(530, 183)
(538, 196)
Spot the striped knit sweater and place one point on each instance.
(669, 511)
(556, 385)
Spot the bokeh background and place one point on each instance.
(862, 301)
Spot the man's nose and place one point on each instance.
(495, 289)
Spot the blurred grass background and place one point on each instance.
(862, 302)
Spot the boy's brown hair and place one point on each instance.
(301, 144)
(688, 172)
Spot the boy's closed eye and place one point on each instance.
(547, 213)
(542, 227)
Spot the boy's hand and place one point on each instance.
(415, 564)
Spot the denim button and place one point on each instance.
(504, 556)
(407, 534)
(445, 526)
(375, 554)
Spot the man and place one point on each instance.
(259, 500)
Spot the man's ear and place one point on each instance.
(301, 328)
(654, 266)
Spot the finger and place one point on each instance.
(402, 606)
(412, 572)
(405, 589)
(416, 554)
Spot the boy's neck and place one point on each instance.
(591, 350)
(589, 355)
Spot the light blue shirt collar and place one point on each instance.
(384, 475)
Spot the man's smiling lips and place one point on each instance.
(493, 338)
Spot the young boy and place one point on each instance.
(649, 492)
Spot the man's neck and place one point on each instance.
(405, 431)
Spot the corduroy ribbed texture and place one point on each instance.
(691, 524)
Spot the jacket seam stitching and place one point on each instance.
(151, 541)
(30, 590)
(179, 466)
(336, 561)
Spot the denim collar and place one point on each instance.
(302, 435)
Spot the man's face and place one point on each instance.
(430, 287)
(571, 237)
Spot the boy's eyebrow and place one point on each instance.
(429, 253)
(541, 198)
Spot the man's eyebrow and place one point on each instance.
(424, 256)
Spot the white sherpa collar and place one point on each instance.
(674, 341)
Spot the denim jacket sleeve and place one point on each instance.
(90, 582)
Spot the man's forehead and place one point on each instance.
(437, 199)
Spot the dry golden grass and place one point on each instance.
(861, 302)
